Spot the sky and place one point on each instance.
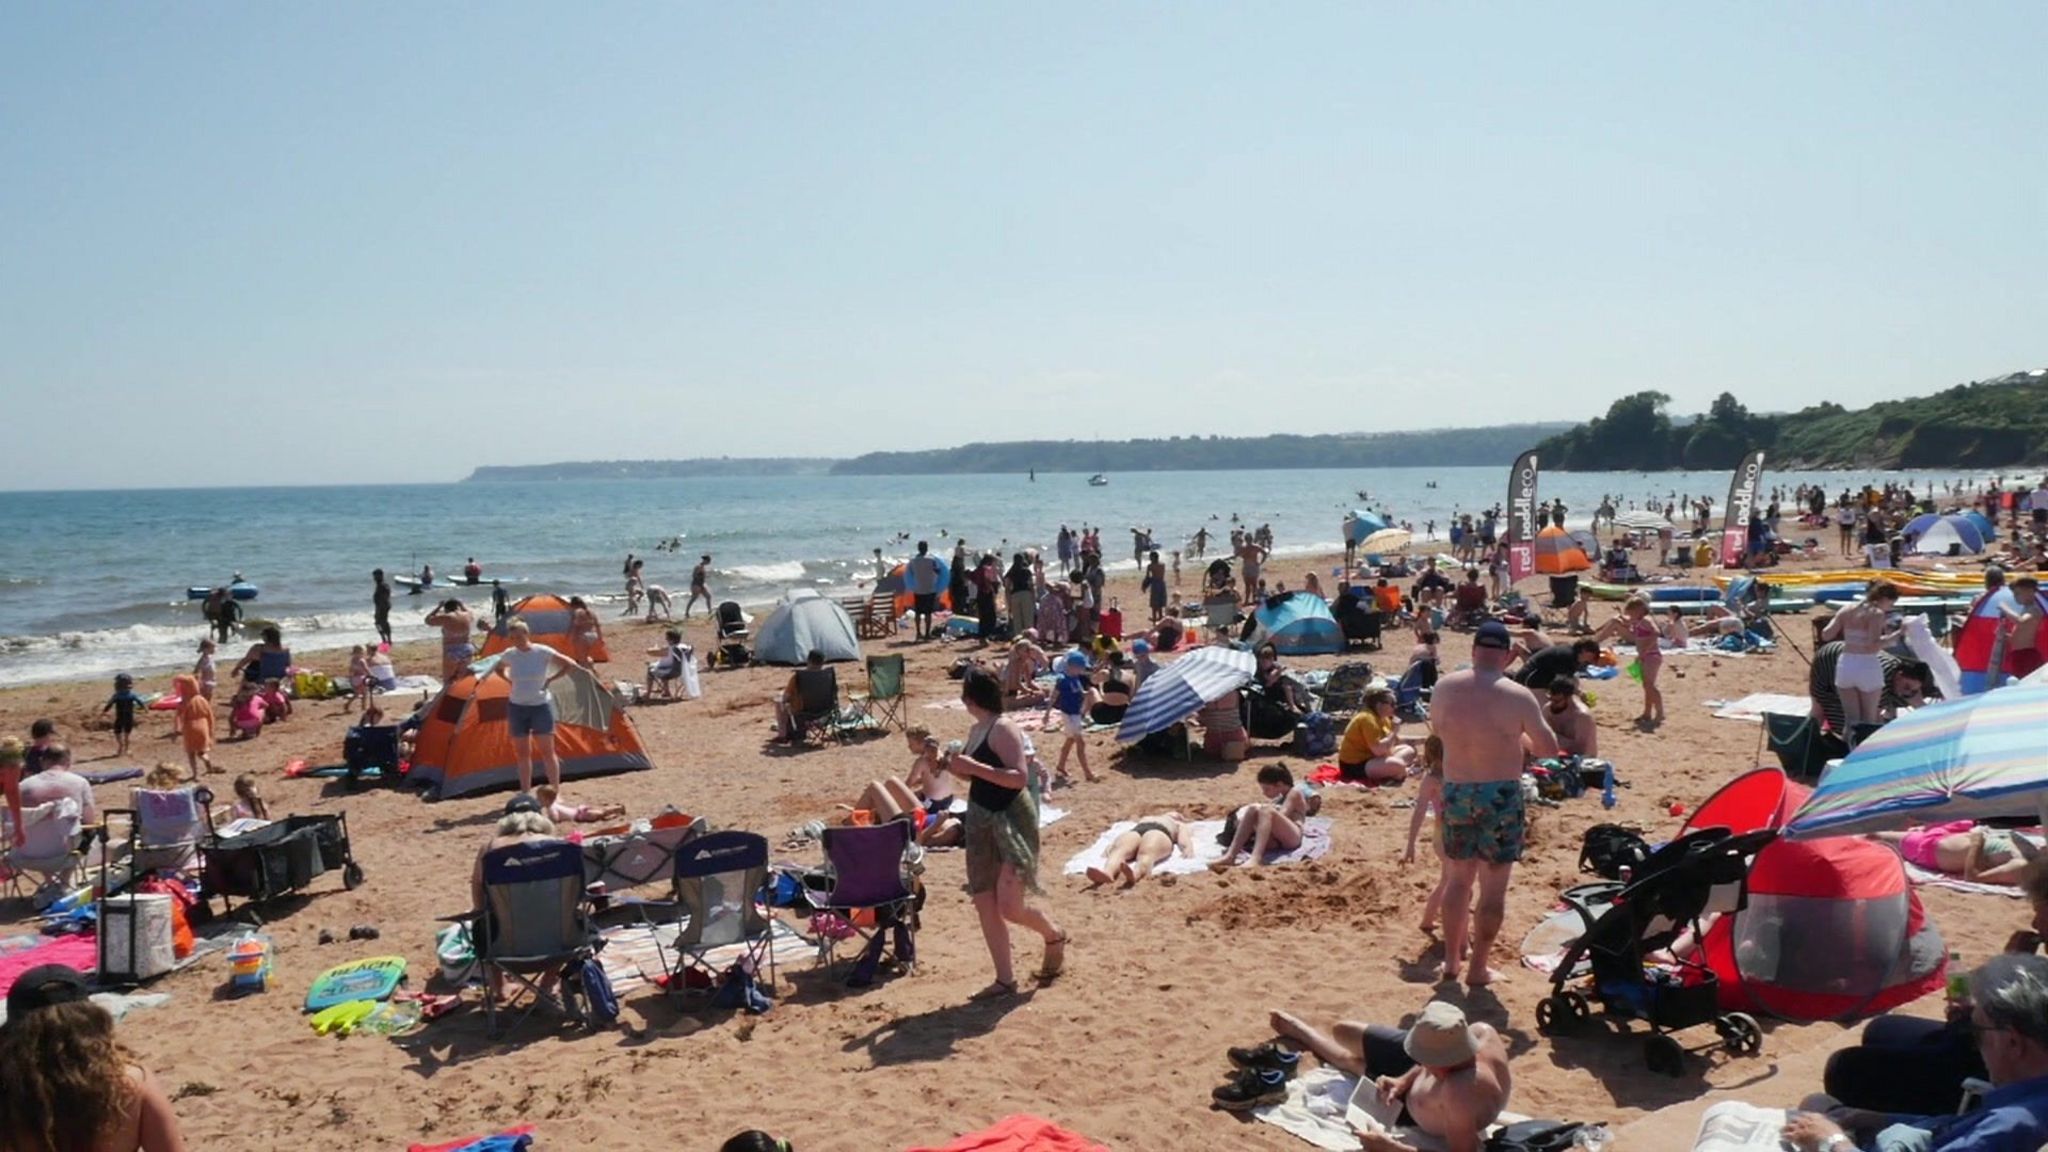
(299, 243)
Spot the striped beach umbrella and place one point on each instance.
(1179, 688)
(1969, 759)
(1386, 540)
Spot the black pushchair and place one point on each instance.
(278, 859)
(1627, 921)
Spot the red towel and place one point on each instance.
(1021, 1134)
(77, 952)
(1325, 774)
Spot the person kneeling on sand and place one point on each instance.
(1442, 1076)
(1134, 854)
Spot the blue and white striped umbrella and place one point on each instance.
(1179, 688)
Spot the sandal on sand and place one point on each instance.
(998, 990)
(1054, 960)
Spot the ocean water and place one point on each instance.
(94, 582)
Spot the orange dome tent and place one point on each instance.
(547, 616)
(1557, 552)
(465, 745)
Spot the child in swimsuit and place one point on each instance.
(245, 713)
(358, 676)
(203, 670)
(122, 703)
(195, 723)
(1640, 628)
(552, 805)
(249, 802)
(1429, 797)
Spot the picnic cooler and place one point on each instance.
(135, 938)
(280, 857)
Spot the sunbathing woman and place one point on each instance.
(1134, 854)
(1276, 823)
(1963, 848)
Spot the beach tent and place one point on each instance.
(1557, 551)
(1940, 535)
(1831, 930)
(1985, 527)
(547, 618)
(1360, 523)
(897, 584)
(465, 745)
(803, 623)
(1297, 624)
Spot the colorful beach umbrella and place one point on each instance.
(1386, 540)
(1361, 524)
(1174, 691)
(1969, 759)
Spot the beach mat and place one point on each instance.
(632, 956)
(1919, 875)
(510, 1140)
(110, 775)
(1315, 841)
(79, 952)
(1019, 1134)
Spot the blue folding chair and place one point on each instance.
(719, 882)
(533, 926)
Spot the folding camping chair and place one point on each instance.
(166, 827)
(637, 859)
(1411, 693)
(1802, 745)
(870, 890)
(719, 878)
(50, 854)
(816, 709)
(883, 701)
(534, 925)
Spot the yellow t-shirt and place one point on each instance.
(1364, 731)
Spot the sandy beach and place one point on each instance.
(1123, 1047)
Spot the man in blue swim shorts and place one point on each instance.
(1484, 718)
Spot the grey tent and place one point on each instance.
(802, 623)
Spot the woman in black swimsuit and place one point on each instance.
(1001, 833)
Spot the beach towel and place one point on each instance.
(1753, 707)
(79, 952)
(1021, 1134)
(1315, 841)
(1544, 947)
(632, 952)
(1330, 776)
(1047, 814)
(110, 775)
(1919, 875)
(1323, 1105)
(510, 1140)
(424, 684)
(168, 817)
(117, 1004)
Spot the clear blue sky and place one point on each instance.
(296, 242)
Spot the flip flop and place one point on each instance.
(996, 991)
(1050, 968)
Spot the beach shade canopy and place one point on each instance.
(1386, 540)
(803, 623)
(1977, 641)
(1827, 929)
(1298, 624)
(547, 619)
(1983, 524)
(897, 585)
(465, 744)
(1361, 524)
(1174, 691)
(1640, 521)
(1940, 535)
(1558, 551)
(1975, 758)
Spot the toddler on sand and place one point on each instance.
(195, 723)
(1429, 794)
(122, 703)
(560, 812)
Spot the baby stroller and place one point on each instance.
(1629, 920)
(732, 636)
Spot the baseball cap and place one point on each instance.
(45, 987)
(524, 802)
(1493, 634)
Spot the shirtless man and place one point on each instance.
(1569, 720)
(2023, 656)
(1859, 674)
(453, 619)
(1443, 1076)
(1133, 855)
(1483, 717)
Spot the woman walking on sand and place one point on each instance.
(1001, 833)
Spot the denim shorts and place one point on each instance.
(530, 719)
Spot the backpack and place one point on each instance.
(1534, 1136)
(1171, 741)
(597, 989)
(1317, 736)
(1609, 848)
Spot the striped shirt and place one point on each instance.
(1821, 683)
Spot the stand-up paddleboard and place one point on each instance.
(373, 979)
(241, 590)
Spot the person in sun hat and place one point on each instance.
(1441, 1075)
(65, 1082)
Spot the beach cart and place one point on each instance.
(261, 863)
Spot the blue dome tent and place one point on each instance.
(1298, 624)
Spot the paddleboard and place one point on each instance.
(242, 591)
(373, 979)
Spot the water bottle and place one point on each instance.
(1607, 787)
(1958, 980)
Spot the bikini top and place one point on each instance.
(984, 793)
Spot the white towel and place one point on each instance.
(1919, 875)
(1315, 840)
(1754, 706)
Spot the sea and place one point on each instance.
(92, 583)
